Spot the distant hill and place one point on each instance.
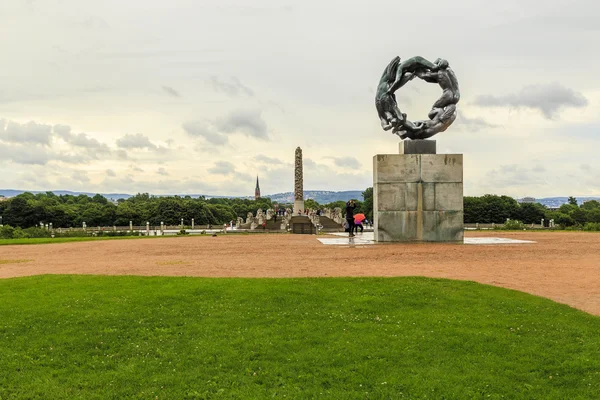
(555, 202)
(320, 196)
(110, 196)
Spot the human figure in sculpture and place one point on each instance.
(445, 77)
(443, 112)
(441, 119)
(385, 100)
(414, 66)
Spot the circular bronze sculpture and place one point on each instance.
(396, 75)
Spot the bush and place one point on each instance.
(513, 225)
(8, 232)
(592, 226)
(36, 232)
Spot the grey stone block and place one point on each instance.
(417, 147)
(418, 197)
(448, 197)
(396, 226)
(396, 168)
(443, 226)
(428, 196)
(442, 168)
(396, 196)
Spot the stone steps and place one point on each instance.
(330, 225)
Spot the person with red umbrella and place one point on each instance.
(358, 220)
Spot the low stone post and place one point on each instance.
(147, 228)
(84, 226)
(192, 223)
(131, 226)
(162, 228)
(181, 223)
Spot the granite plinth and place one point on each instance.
(302, 225)
(418, 146)
(418, 197)
(298, 207)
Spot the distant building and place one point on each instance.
(527, 200)
(2, 198)
(257, 190)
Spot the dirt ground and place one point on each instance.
(562, 266)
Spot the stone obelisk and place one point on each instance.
(298, 184)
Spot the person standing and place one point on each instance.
(350, 206)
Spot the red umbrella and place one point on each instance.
(359, 218)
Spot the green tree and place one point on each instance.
(591, 205)
(368, 203)
(572, 201)
(530, 213)
(311, 204)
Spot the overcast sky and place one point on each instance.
(200, 96)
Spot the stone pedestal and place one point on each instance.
(299, 207)
(418, 197)
(417, 147)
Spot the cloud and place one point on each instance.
(248, 122)
(547, 98)
(170, 91)
(538, 168)
(93, 146)
(268, 160)
(204, 130)
(93, 23)
(121, 154)
(162, 171)
(111, 173)
(585, 167)
(346, 162)
(63, 131)
(474, 124)
(137, 141)
(25, 154)
(80, 176)
(515, 175)
(136, 168)
(307, 162)
(222, 168)
(240, 176)
(232, 88)
(30, 132)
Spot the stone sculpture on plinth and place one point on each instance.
(418, 194)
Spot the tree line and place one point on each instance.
(497, 209)
(66, 211)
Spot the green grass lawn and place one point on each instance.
(89, 337)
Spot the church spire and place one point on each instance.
(257, 190)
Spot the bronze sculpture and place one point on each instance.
(396, 75)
